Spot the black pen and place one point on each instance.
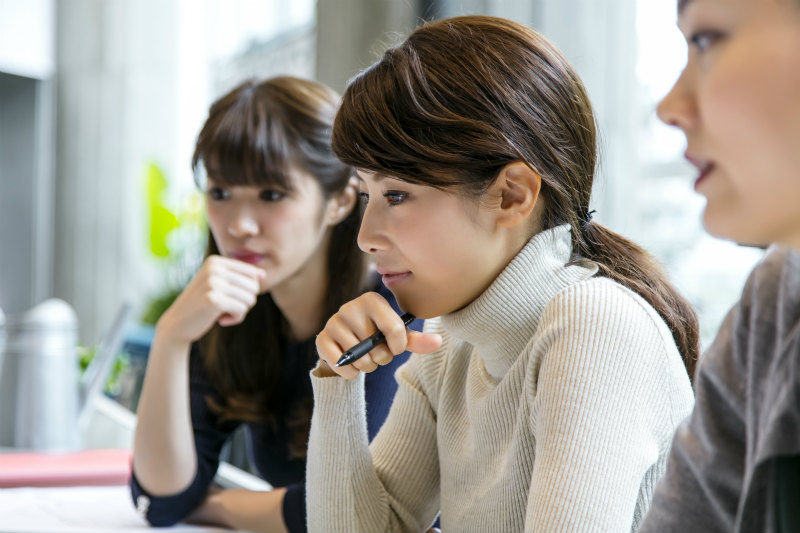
(360, 350)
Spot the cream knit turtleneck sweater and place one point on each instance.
(549, 407)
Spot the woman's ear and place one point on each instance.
(340, 205)
(518, 187)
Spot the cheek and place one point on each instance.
(453, 250)
(217, 222)
(418, 243)
(751, 114)
(298, 226)
(751, 101)
(727, 102)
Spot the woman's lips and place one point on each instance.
(703, 173)
(248, 257)
(705, 167)
(394, 278)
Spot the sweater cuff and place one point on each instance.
(294, 508)
(335, 396)
(164, 511)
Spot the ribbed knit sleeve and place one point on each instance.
(391, 487)
(600, 410)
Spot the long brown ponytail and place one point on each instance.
(459, 99)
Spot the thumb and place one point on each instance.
(423, 342)
(227, 319)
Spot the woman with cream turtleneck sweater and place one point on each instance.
(555, 362)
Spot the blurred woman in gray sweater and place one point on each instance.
(735, 464)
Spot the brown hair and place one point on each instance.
(253, 136)
(461, 98)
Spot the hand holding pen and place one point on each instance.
(373, 333)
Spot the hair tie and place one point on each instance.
(587, 218)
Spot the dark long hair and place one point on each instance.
(461, 98)
(252, 136)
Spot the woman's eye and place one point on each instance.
(217, 193)
(363, 197)
(270, 195)
(395, 197)
(703, 40)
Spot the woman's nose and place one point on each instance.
(370, 237)
(243, 224)
(679, 107)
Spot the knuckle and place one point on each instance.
(372, 297)
(348, 307)
(396, 329)
(384, 357)
(213, 298)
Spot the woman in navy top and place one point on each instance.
(237, 345)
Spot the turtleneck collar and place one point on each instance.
(503, 319)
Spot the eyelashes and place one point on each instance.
(218, 193)
(266, 195)
(702, 40)
(393, 198)
(271, 195)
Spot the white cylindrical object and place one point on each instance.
(43, 344)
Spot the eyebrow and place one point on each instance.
(682, 4)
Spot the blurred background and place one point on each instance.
(101, 100)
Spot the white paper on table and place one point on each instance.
(76, 509)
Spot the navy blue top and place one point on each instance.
(268, 444)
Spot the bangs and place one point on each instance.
(397, 118)
(369, 131)
(243, 144)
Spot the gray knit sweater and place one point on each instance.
(723, 470)
(550, 406)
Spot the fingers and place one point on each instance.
(234, 265)
(423, 342)
(233, 292)
(365, 364)
(332, 341)
(223, 291)
(236, 273)
(355, 321)
(231, 287)
(370, 313)
(230, 310)
(227, 319)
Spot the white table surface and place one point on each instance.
(96, 509)
(76, 509)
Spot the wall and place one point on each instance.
(26, 145)
(117, 99)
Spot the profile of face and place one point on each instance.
(436, 250)
(738, 103)
(283, 232)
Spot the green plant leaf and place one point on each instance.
(156, 306)
(162, 220)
